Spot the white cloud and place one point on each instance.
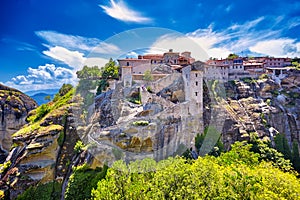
(44, 77)
(78, 43)
(237, 38)
(277, 48)
(120, 11)
(132, 54)
(100, 62)
(74, 59)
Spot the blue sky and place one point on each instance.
(43, 43)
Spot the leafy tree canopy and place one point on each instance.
(88, 72)
(110, 70)
(237, 174)
(232, 56)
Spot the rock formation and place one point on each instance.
(14, 108)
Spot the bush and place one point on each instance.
(41, 111)
(82, 181)
(51, 191)
(79, 147)
(140, 123)
(237, 174)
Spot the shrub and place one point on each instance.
(82, 181)
(140, 123)
(47, 191)
(79, 146)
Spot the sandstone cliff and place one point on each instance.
(43, 149)
(14, 108)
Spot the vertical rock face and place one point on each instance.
(14, 108)
(44, 149)
(254, 106)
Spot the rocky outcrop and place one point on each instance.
(259, 106)
(145, 124)
(14, 108)
(43, 150)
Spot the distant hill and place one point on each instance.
(46, 91)
(39, 95)
(40, 98)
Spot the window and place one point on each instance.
(196, 75)
(196, 83)
(127, 63)
(196, 93)
(187, 76)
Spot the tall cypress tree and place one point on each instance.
(295, 156)
(281, 144)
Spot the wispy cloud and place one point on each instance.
(74, 59)
(120, 11)
(20, 46)
(78, 43)
(251, 37)
(66, 50)
(277, 47)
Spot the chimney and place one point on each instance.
(171, 50)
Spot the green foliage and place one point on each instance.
(232, 56)
(268, 102)
(41, 111)
(89, 72)
(149, 89)
(82, 181)
(296, 65)
(84, 88)
(65, 88)
(281, 145)
(110, 70)
(79, 147)
(51, 191)
(148, 76)
(237, 174)
(4, 166)
(267, 153)
(217, 149)
(60, 139)
(240, 154)
(295, 156)
(46, 109)
(140, 123)
(48, 98)
(102, 86)
(135, 98)
(263, 76)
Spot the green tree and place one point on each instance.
(47, 98)
(148, 76)
(281, 144)
(267, 153)
(296, 64)
(237, 174)
(217, 149)
(89, 72)
(295, 156)
(50, 190)
(232, 56)
(65, 88)
(82, 181)
(110, 70)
